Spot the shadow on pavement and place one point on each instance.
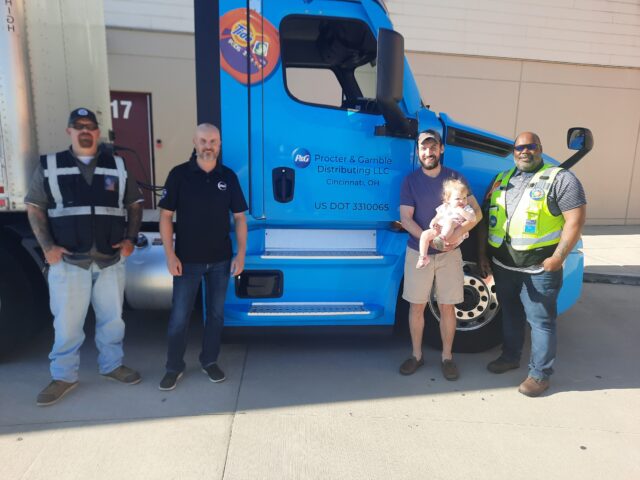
(598, 342)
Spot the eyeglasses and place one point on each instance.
(85, 126)
(527, 146)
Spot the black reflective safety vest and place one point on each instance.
(82, 213)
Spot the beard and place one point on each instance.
(85, 141)
(526, 163)
(430, 162)
(207, 155)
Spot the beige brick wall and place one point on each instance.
(598, 32)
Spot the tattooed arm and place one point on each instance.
(574, 220)
(40, 226)
(134, 220)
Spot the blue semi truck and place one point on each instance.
(319, 114)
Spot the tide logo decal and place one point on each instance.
(239, 42)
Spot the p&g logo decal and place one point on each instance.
(239, 41)
(301, 157)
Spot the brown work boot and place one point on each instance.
(54, 392)
(449, 369)
(410, 365)
(533, 387)
(125, 375)
(500, 365)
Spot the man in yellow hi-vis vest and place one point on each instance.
(533, 214)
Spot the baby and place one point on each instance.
(449, 216)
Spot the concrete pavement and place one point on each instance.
(612, 254)
(333, 406)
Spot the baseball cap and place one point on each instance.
(80, 113)
(429, 134)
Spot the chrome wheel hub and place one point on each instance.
(480, 304)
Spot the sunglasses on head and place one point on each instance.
(528, 146)
(84, 126)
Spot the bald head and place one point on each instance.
(529, 137)
(206, 141)
(207, 127)
(527, 152)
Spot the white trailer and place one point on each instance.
(53, 58)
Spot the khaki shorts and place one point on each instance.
(449, 278)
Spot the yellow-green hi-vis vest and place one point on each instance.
(530, 224)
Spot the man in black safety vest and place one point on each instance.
(534, 214)
(78, 205)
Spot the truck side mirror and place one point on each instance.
(580, 139)
(390, 79)
(575, 138)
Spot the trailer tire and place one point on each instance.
(479, 325)
(21, 313)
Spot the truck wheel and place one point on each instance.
(479, 318)
(21, 314)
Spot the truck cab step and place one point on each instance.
(312, 309)
(303, 313)
(322, 254)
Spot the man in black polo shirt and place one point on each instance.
(202, 191)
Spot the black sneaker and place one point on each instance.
(502, 365)
(215, 374)
(170, 380)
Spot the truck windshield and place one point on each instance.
(330, 62)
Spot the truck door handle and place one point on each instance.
(283, 184)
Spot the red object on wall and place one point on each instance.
(131, 117)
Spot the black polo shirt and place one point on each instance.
(202, 202)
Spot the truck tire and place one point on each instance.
(479, 316)
(21, 299)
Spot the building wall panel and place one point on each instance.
(580, 31)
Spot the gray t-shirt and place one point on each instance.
(37, 196)
(424, 194)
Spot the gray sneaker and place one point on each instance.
(54, 392)
(125, 375)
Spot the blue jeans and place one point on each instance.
(71, 290)
(215, 277)
(532, 298)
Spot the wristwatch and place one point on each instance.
(133, 240)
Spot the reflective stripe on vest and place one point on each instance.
(114, 212)
(53, 172)
(531, 224)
